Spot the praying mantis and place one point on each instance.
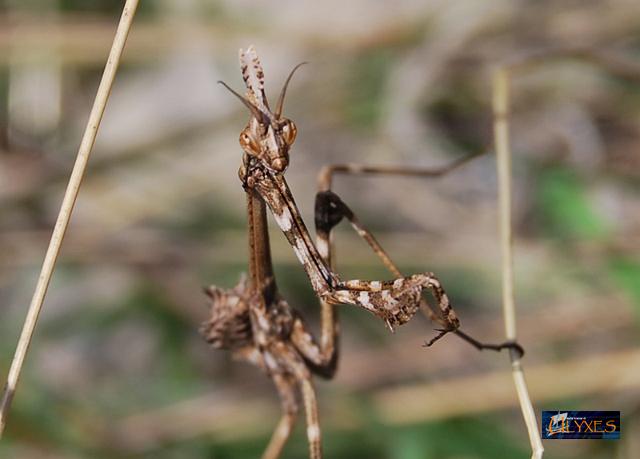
(254, 321)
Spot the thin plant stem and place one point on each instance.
(503, 152)
(614, 63)
(66, 208)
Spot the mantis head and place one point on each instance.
(268, 135)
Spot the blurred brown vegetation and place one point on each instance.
(118, 369)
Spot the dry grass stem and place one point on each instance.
(503, 152)
(66, 208)
(614, 63)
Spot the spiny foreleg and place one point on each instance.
(330, 210)
(395, 301)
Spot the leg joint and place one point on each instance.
(329, 211)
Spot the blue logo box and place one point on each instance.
(602, 425)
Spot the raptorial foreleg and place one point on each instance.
(330, 210)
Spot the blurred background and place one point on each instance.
(117, 368)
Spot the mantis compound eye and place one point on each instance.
(289, 132)
(248, 144)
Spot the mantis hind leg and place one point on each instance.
(286, 390)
